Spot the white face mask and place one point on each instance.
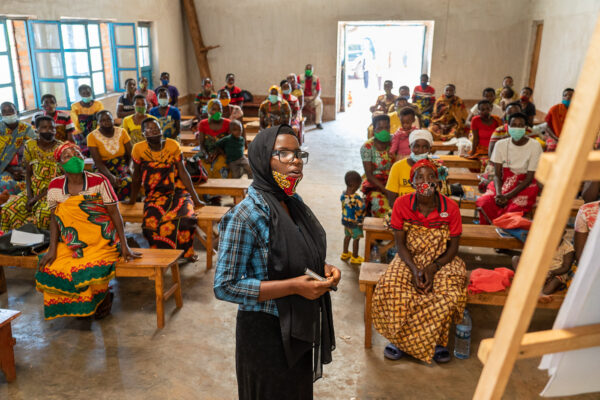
(418, 157)
(10, 119)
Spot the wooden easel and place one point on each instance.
(561, 173)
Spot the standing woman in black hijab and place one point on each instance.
(284, 331)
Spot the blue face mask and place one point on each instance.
(418, 157)
(567, 103)
(165, 82)
(516, 133)
(405, 97)
(87, 99)
(273, 98)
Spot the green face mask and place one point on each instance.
(74, 165)
(216, 116)
(308, 73)
(140, 110)
(383, 136)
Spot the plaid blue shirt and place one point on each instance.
(243, 254)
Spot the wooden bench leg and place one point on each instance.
(2, 281)
(177, 282)
(160, 304)
(7, 354)
(367, 246)
(237, 199)
(368, 315)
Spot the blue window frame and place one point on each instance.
(64, 56)
(145, 52)
(125, 57)
(8, 89)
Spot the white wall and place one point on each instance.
(263, 40)
(568, 27)
(165, 15)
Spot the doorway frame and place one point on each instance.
(429, 25)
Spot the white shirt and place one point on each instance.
(496, 110)
(520, 159)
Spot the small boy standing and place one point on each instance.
(353, 214)
(233, 146)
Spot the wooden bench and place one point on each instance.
(7, 341)
(207, 216)
(452, 161)
(188, 138)
(470, 205)
(440, 146)
(464, 178)
(371, 272)
(236, 188)
(252, 127)
(152, 265)
(472, 235)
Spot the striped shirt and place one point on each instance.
(93, 184)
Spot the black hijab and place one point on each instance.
(296, 241)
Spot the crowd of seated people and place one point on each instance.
(423, 290)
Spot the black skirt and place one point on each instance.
(261, 366)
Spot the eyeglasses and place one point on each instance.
(288, 156)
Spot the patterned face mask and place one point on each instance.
(286, 182)
(425, 189)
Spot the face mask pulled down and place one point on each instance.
(286, 182)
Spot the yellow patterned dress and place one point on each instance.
(44, 168)
(413, 322)
(76, 282)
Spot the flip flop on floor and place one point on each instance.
(441, 355)
(391, 352)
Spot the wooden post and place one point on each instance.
(580, 129)
(200, 49)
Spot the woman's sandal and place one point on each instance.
(391, 352)
(103, 309)
(441, 355)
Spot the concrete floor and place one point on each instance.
(126, 357)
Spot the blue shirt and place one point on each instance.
(167, 123)
(243, 254)
(353, 209)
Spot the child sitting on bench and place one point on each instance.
(232, 146)
(353, 213)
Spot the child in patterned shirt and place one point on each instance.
(353, 213)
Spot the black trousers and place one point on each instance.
(261, 366)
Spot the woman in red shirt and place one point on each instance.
(482, 128)
(209, 131)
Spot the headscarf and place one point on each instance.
(420, 134)
(295, 243)
(276, 88)
(211, 102)
(66, 145)
(423, 163)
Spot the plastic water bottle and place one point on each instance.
(375, 254)
(462, 339)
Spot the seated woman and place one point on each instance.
(168, 116)
(274, 110)
(86, 240)
(209, 131)
(287, 95)
(377, 161)
(110, 148)
(488, 94)
(483, 127)
(230, 111)
(385, 100)
(125, 104)
(515, 161)
(169, 217)
(133, 123)
(83, 115)
(556, 117)
(501, 132)
(398, 183)
(449, 115)
(584, 222)
(149, 94)
(202, 98)
(13, 135)
(423, 290)
(40, 169)
(296, 89)
(62, 121)
(424, 98)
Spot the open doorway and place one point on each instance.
(371, 52)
